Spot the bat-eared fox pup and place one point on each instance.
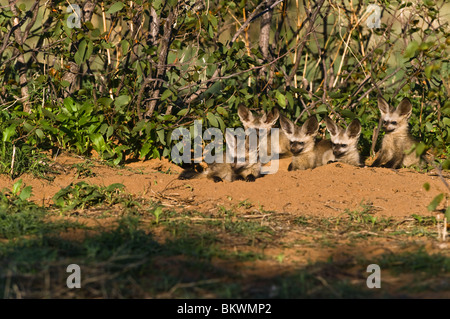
(263, 120)
(303, 147)
(243, 169)
(344, 143)
(397, 141)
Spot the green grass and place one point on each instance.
(418, 261)
(191, 254)
(83, 195)
(84, 169)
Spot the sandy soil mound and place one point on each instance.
(325, 191)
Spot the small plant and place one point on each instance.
(301, 221)
(157, 212)
(280, 258)
(83, 195)
(83, 169)
(432, 207)
(245, 203)
(16, 199)
(365, 218)
(425, 220)
(23, 193)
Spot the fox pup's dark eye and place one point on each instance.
(385, 122)
(343, 145)
(394, 123)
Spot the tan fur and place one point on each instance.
(397, 140)
(247, 170)
(284, 145)
(302, 143)
(264, 120)
(343, 143)
(324, 153)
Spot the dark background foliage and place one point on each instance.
(134, 71)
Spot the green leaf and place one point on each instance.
(39, 133)
(125, 46)
(145, 149)
(428, 70)
(182, 112)
(8, 133)
(411, 49)
(122, 100)
(322, 109)
(26, 193)
(48, 114)
(290, 99)
(69, 104)
(212, 119)
(16, 187)
(446, 121)
(115, 186)
(281, 99)
(98, 141)
(213, 20)
(160, 134)
(110, 131)
(446, 164)
(79, 56)
(435, 202)
(420, 148)
(89, 25)
(105, 101)
(222, 111)
(426, 186)
(115, 7)
(27, 126)
(348, 114)
(89, 50)
(65, 83)
(95, 33)
(166, 94)
(447, 214)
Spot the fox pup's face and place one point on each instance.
(392, 118)
(343, 140)
(261, 120)
(301, 138)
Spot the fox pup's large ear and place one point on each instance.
(244, 114)
(331, 126)
(354, 129)
(272, 116)
(286, 125)
(384, 106)
(404, 109)
(311, 126)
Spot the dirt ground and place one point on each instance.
(328, 191)
(325, 191)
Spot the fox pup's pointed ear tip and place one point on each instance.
(407, 100)
(242, 108)
(275, 112)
